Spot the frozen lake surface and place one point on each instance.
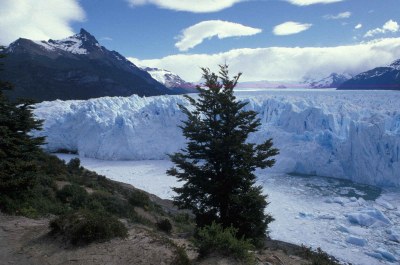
(354, 222)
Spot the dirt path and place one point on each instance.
(25, 241)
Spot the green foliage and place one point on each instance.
(318, 257)
(181, 257)
(73, 195)
(140, 199)
(215, 238)
(217, 166)
(83, 227)
(184, 223)
(165, 225)
(74, 165)
(19, 151)
(110, 203)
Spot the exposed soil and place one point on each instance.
(26, 241)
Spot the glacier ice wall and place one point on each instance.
(345, 134)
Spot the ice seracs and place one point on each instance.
(339, 134)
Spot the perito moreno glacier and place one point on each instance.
(351, 135)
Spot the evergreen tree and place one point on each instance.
(217, 164)
(18, 149)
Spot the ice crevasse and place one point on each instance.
(344, 134)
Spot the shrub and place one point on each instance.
(181, 257)
(164, 225)
(140, 199)
(110, 203)
(74, 195)
(214, 238)
(74, 165)
(318, 257)
(83, 227)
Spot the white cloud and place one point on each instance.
(38, 20)
(194, 35)
(312, 2)
(195, 6)
(106, 38)
(290, 27)
(389, 26)
(358, 26)
(278, 63)
(342, 15)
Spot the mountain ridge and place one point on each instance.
(76, 67)
(171, 80)
(379, 78)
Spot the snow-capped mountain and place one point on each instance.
(267, 84)
(334, 80)
(172, 81)
(77, 67)
(380, 78)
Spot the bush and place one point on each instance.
(140, 199)
(214, 238)
(83, 227)
(318, 257)
(110, 203)
(74, 165)
(181, 257)
(74, 195)
(38, 201)
(164, 225)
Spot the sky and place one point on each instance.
(265, 39)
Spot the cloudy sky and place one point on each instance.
(264, 39)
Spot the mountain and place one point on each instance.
(77, 67)
(267, 84)
(172, 81)
(334, 80)
(380, 78)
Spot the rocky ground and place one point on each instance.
(25, 241)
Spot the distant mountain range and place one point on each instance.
(334, 80)
(380, 78)
(172, 81)
(77, 67)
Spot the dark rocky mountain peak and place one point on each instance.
(334, 80)
(395, 64)
(380, 78)
(81, 43)
(76, 67)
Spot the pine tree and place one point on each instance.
(217, 166)
(18, 149)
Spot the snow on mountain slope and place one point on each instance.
(166, 77)
(172, 81)
(379, 78)
(343, 134)
(76, 44)
(334, 80)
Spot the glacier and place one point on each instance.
(351, 135)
